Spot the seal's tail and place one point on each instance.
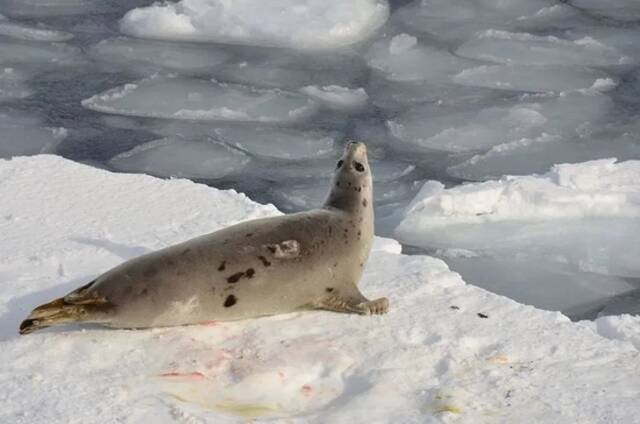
(74, 307)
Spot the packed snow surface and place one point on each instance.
(305, 24)
(446, 352)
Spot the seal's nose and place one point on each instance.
(356, 148)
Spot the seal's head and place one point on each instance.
(351, 186)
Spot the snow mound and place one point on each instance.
(306, 25)
(446, 350)
(183, 98)
(600, 188)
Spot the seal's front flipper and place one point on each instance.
(356, 305)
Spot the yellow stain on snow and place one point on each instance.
(446, 407)
(247, 410)
(244, 410)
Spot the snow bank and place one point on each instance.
(306, 25)
(446, 351)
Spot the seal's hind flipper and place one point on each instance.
(74, 307)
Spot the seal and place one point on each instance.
(301, 261)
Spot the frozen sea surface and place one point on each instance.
(261, 97)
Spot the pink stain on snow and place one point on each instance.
(306, 390)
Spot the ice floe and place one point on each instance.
(25, 134)
(446, 351)
(580, 219)
(528, 49)
(31, 33)
(337, 97)
(306, 25)
(149, 56)
(175, 157)
(403, 58)
(183, 98)
(469, 127)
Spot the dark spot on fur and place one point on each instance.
(454, 307)
(358, 166)
(248, 234)
(335, 265)
(329, 289)
(171, 263)
(361, 264)
(358, 189)
(186, 251)
(264, 261)
(364, 202)
(230, 301)
(250, 273)
(150, 272)
(144, 292)
(481, 315)
(340, 162)
(349, 184)
(235, 277)
(272, 249)
(222, 266)
(338, 184)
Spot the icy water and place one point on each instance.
(262, 99)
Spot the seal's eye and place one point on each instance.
(340, 162)
(359, 167)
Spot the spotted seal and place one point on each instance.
(300, 261)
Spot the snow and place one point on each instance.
(306, 25)
(195, 99)
(567, 237)
(447, 351)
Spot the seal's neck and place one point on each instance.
(351, 196)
